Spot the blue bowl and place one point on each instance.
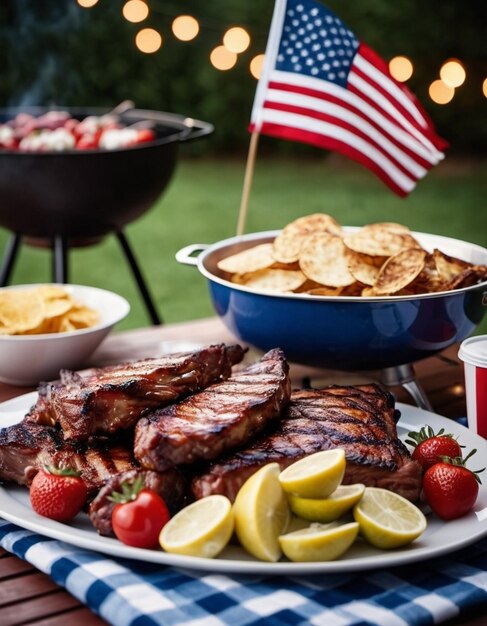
(344, 333)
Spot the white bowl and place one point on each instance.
(29, 359)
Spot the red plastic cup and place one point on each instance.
(473, 353)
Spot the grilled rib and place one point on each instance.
(113, 398)
(223, 417)
(26, 447)
(360, 419)
(171, 485)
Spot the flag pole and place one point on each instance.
(249, 174)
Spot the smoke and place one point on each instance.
(37, 38)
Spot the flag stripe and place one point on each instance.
(340, 135)
(287, 81)
(321, 105)
(334, 144)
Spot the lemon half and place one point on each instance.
(323, 510)
(319, 542)
(315, 476)
(261, 513)
(387, 520)
(200, 529)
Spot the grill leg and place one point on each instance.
(9, 256)
(151, 309)
(60, 260)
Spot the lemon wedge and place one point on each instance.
(315, 476)
(387, 520)
(319, 542)
(202, 528)
(329, 509)
(261, 513)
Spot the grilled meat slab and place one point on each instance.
(360, 419)
(171, 485)
(26, 447)
(113, 398)
(223, 417)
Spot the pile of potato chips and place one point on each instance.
(314, 255)
(43, 309)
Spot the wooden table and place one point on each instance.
(29, 597)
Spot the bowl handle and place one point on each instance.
(185, 255)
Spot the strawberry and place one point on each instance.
(450, 488)
(430, 447)
(57, 493)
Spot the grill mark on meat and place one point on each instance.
(223, 417)
(26, 447)
(360, 419)
(171, 485)
(114, 398)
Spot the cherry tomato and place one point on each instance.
(139, 521)
(144, 135)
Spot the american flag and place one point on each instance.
(321, 85)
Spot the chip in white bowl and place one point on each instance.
(28, 359)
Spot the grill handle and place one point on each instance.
(186, 254)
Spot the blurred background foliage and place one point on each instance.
(55, 52)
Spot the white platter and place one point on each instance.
(440, 537)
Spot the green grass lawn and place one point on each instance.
(201, 206)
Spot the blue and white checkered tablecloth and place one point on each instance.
(132, 593)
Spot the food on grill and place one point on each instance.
(171, 485)
(44, 309)
(221, 418)
(113, 398)
(358, 419)
(26, 447)
(321, 259)
(57, 131)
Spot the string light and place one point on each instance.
(401, 68)
(222, 59)
(452, 73)
(185, 27)
(256, 66)
(236, 39)
(135, 11)
(440, 92)
(87, 4)
(148, 40)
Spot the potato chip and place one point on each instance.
(362, 267)
(280, 281)
(323, 259)
(288, 243)
(465, 278)
(20, 310)
(325, 291)
(43, 309)
(448, 266)
(250, 260)
(399, 270)
(379, 241)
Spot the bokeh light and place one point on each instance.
(401, 68)
(256, 65)
(484, 87)
(452, 73)
(236, 39)
(135, 11)
(148, 40)
(440, 92)
(222, 59)
(87, 4)
(185, 27)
